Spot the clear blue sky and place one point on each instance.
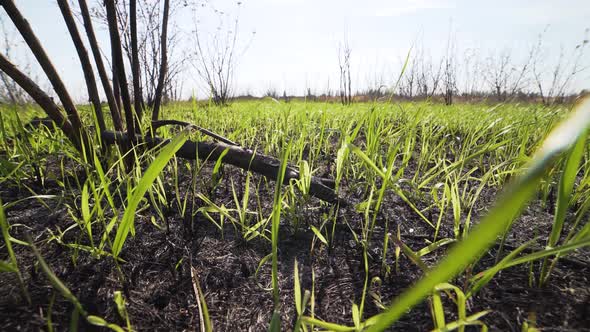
(296, 41)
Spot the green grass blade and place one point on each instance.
(7, 267)
(319, 234)
(297, 288)
(564, 194)
(74, 320)
(411, 254)
(13, 265)
(561, 250)
(206, 325)
(434, 246)
(328, 326)
(438, 312)
(56, 282)
(486, 276)
(276, 218)
(145, 183)
(275, 322)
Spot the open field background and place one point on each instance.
(207, 228)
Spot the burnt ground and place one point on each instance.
(157, 274)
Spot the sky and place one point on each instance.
(293, 45)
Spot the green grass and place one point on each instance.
(438, 160)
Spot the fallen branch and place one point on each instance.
(161, 123)
(243, 158)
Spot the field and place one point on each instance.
(202, 244)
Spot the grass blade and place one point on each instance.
(276, 218)
(13, 265)
(145, 183)
(564, 194)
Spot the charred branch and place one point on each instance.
(106, 85)
(40, 98)
(38, 51)
(161, 123)
(119, 65)
(85, 61)
(163, 63)
(243, 158)
(137, 94)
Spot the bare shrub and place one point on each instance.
(216, 53)
(344, 53)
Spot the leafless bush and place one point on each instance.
(428, 76)
(271, 92)
(149, 19)
(375, 86)
(310, 96)
(217, 53)
(504, 75)
(450, 71)
(506, 78)
(408, 80)
(285, 97)
(344, 53)
(554, 84)
(472, 73)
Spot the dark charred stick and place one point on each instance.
(161, 123)
(106, 85)
(120, 65)
(240, 157)
(85, 61)
(116, 86)
(37, 123)
(163, 63)
(137, 94)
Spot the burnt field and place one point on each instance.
(426, 195)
